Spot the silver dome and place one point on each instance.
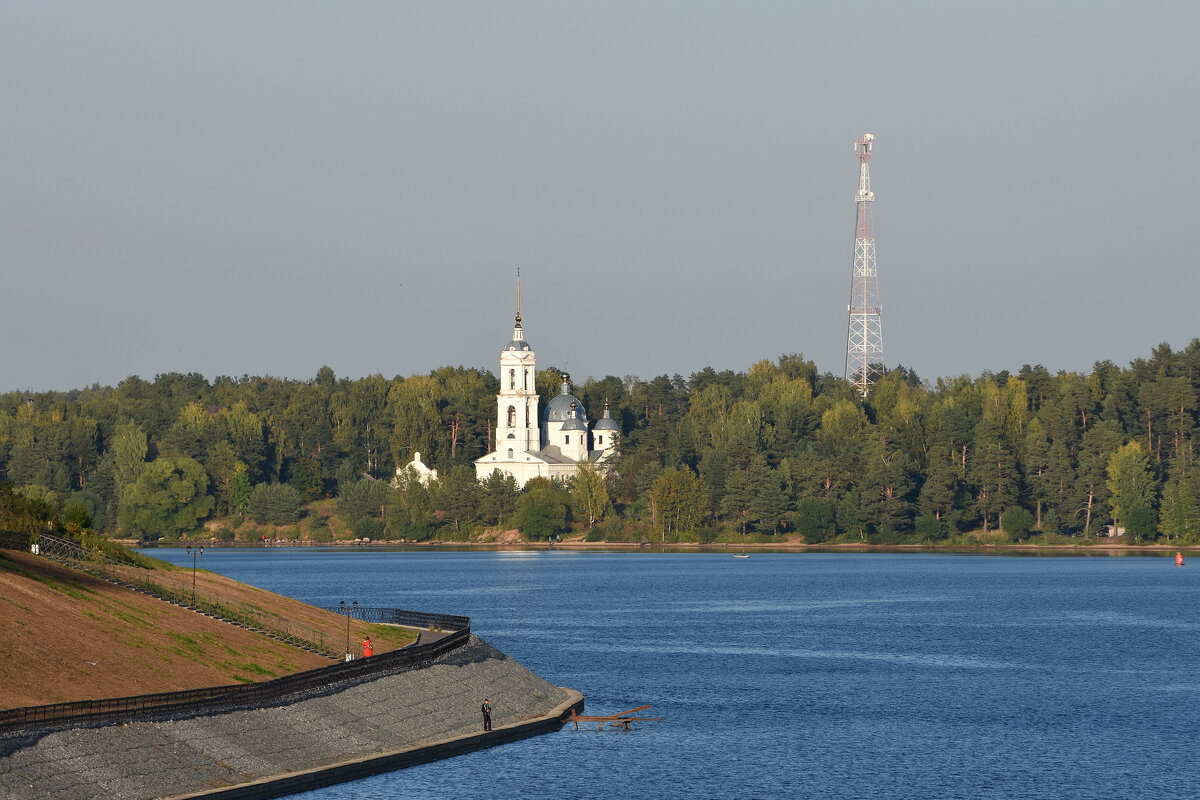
(574, 424)
(606, 422)
(559, 409)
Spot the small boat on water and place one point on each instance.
(741, 555)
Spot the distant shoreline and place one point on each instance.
(692, 547)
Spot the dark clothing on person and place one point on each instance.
(487, 715)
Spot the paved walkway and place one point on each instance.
(156, 759)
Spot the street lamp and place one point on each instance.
(348, 610)
(194, 553)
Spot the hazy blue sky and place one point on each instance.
(232, 188)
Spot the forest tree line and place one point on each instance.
(779, 448)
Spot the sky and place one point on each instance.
(269, 187)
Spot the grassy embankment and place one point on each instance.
(66, 635)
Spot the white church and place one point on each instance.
(552, 446)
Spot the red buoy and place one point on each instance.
(1179, 559)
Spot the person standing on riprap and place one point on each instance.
(487, 714)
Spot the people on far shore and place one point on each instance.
(487, 714)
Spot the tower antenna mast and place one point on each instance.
(864, 339)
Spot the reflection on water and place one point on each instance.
(822, 675)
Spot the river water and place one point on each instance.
(815, 675)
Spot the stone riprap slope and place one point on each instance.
(342, 723)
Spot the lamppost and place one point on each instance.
(194, 552)
(348, 610)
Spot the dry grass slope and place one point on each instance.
(66, 635)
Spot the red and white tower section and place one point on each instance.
(864, 341)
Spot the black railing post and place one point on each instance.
(347, 610)
(194, 552)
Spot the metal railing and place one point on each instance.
(398, 616)
(176, 587)
(224, 698)
(216, 698)
(15, 541)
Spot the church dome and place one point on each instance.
(574, 423)
(560, 408)
(518, 341)
(607, 423)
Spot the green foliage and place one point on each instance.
(456, 494)
(240, 489)
(1141, 524)
(304, 475)
(929, 528)
(222, 467)
(1016, 523)
(118, 551)
(679, 501)
(1180, 510)
(363, 499)
(274, 504)
(814, 520)
(169, 499)
(129, 452)
(541, 509)
(76, 516)
(497, 497)
(1130, 482)
(410, 508)
(368, 528)
(589, 495)
(760, 442)
(40, 494)
(21, 514)
(887, 537)
(770, 501)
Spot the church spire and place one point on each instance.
(518, 334)
(518, 325)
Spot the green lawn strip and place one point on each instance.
(251, 667)
(198, 648)
(129, 618)
(392, 635)
(274, 657)
(187, 642)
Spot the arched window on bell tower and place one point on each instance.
(512, 416)
(512, 379)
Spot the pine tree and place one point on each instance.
(1130, 483)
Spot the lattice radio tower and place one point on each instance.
(864, 341)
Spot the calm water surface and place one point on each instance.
(806, 675)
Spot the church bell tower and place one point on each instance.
(517, 428)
